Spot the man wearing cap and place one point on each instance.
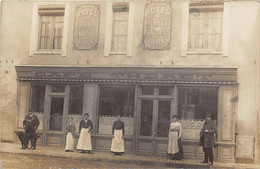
(207, 138)
(30, 124)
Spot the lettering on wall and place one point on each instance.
(157, 25)
(86, 27)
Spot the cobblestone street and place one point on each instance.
(21, 161)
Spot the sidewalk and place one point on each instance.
(126, 158)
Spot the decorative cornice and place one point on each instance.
(210, 76)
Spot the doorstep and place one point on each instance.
(109, 157)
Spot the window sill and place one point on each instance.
(117, 53)
(47, 53)
(204, 53)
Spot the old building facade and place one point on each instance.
(143, 60)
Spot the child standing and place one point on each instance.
(70, 135)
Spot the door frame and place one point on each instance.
(155, 98)
(61, 135)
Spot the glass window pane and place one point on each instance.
(58, 88)
(56, 113)
(76, 99)
(164, 118)
(146, 117)
(194, 103)
(37, 98)
(148, 90)
(164, 90)
(114, 101)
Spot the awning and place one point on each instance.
(163, 75)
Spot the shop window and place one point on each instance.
(76, 99)
(120, 29)
(164, 90)
(51, 29)
(194, 103)
(205, 28)
(148, 90)
(37, 98)
(114, 101)
(58, 88)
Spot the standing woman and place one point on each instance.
(174, 144)
(71, 129)
(118, 130)
(85, 127)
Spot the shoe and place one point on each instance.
(211, 163)
(82, 151)
(33, 148)
(66, 150)
(204, 162)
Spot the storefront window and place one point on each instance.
(195, 102)
(37, 98)
(58, 88)
(114, 101)
(76, 99)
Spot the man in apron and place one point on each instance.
(85, 127)
(118, 131)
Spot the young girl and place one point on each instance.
(70, 135)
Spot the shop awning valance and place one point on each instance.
(164, 75)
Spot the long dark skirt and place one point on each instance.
(179, 154)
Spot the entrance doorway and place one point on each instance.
(54, 126)
(156, 106)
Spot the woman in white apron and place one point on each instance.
(84, 142)
(118, 131)
(174, 144)
(71, 129)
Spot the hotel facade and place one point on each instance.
(143, 60)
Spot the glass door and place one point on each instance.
(56, 115)
(156, 106)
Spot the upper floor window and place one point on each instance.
(205, 28)
(120, 27)
(51, 29)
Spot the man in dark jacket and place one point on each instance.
(30, 124)
(207, 138)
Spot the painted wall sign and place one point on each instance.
(86, 27)
(157, 25)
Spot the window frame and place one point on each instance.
(109, 29)
(226, 5)
(51, 35)
(206, 19)
(36, 23)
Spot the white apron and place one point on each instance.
(173, 146)
(69, 142)
(84, 142)
(118, 142)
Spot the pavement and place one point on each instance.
(145, 160)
